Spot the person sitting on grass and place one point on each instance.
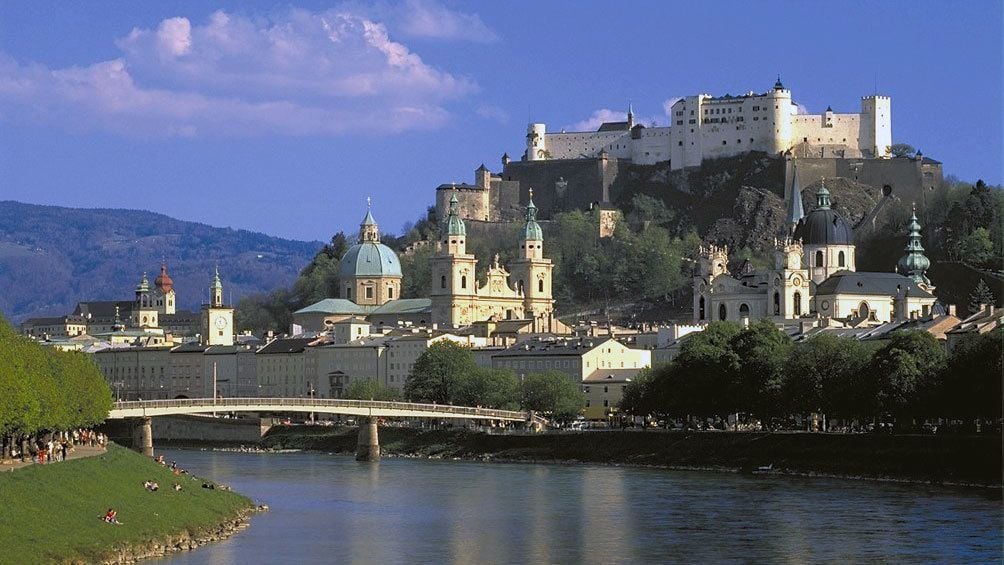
(111, 517)
(177, 487)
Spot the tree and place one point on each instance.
(438, 372)
(703, 380)
(908, 372)
(371, 389)
(637, 395)
(553, 393)
(902, 150)
(760, 354)
(490, 388)
(973, 377)
(980, 296)
(825, 374)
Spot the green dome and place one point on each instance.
(454, 225)
(533, 231)
(369, 259)
(914, 264)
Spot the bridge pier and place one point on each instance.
(142, 436)
(368, 445)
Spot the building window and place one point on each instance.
(722, 312)
(700, 308)
(540, 285)
(797, 298)
(840, 259)
(463, 281)
(744, 311)
(369, 292)
(819, 258)
(390, 292)
(442, 282)
(777, 304)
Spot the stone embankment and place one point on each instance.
(973, 460)
(184, 541)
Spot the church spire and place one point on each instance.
(823, 197)
(216, 290)
(532, 231)
(369, 231)
(795, 209)
(454, 225)
(630, 115)
(914, 264)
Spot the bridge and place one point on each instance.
(368, 411)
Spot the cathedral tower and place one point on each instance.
(165, 298)
(144, 311)
(532, 271)
(915, 264)
(454, 285)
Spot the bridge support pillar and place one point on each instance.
(368, 446)
(142, 436)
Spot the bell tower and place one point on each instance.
(454, 283)
(532, 271)
(144, 310)
(217, 318)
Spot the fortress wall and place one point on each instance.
(577, 145)
(905, 178)
(587, 180)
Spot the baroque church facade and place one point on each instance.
(813, 275)
(524, 293)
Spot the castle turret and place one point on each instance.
(536, 142)
(914, 264)
(780, 115)
(876, 126)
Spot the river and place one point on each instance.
(332, 509)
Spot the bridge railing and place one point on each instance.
(319, 404)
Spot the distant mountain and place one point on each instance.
(52, 257)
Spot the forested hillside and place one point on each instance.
(52, 257)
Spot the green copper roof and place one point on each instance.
(532, 231)
(369, 259)
(914, 264)
(454, 225)
(823, 197)
(217, 283)
(144, 284)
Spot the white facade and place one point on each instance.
(707, 127)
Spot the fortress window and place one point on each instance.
(738, 141)
(751, 140)
(680, 143)
(725, 142)
(679, 122)
(691, 112)
(805, 139)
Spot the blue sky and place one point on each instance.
(284, 117)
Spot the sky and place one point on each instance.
(284, 117)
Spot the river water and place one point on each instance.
(332, 509)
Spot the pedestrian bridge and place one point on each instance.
(365, 408)
(368, 411)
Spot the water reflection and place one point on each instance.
(333, 509)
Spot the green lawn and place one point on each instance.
(51, 513)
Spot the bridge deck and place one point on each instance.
(375, 408)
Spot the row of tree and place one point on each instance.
(446, 373)
(44, 390)
(759, 372)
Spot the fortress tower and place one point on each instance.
(876, 125)
(536, 142)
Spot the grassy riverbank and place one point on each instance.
(51, 513)
(928, 458)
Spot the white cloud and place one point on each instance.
(593, 122)
(298, 73)
(425, 18)
(493, 113)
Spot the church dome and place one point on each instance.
(823, 226)
(369, 257)
(163, 280)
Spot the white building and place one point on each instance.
(706, 127)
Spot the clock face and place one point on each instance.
(221, 322)
(796, 281)
(826, 305)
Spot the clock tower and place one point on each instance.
(217, 318)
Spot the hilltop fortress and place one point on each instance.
(577, 170)
(706, 127)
